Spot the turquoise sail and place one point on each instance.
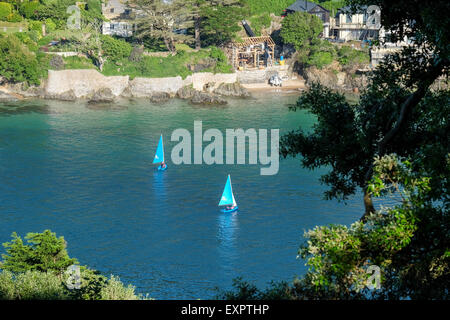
(159, 156)
(227, 195)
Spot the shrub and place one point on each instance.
(17, 63)
(14, 17)
(260, 22)
(92, 283)
(115, 290)
(36, 26)
(7, 286)
(243, 290)
(31, 285)
(349, 56)
(50, 25)
(5, 11)
(222, 65)
(35, 285)
(115, 49)
(29, 9)
(320, 59)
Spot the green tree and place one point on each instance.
(219, 25)
(29, 9)
(300, 28)
(163, 20)
(42, 252)
(200, 7)
(397, 113)
(17, 63)
(393, 239)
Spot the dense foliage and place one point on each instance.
(300, 28)
(115, 49)
(5, 11)
(17, 62)
(268, 6)
(219, 25)
(396, 241)
(43, 252)
(180, 64)
(36, 270)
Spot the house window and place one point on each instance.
(127, 11)
(111, 26)
(348, 18)
(111, 10)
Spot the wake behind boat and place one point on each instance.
(159, 156)
(227, 198)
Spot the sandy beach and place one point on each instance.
(294, 85)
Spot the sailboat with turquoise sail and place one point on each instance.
(227, 198)
(159, 156)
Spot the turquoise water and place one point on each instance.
(86, 174)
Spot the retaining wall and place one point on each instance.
(87, 81)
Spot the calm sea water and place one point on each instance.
(86, 174)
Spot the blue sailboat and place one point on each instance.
(159, 156)
(227, 198)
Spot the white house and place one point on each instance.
(355, 26)
(118, 14)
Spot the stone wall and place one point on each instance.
(144, 87)
(263, 75)
(84, 83)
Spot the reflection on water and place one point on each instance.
(23, 107)
(159, 183)
(226, 235)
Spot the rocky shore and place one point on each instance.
(93, 87)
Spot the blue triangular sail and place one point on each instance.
(159, 156)
(227, 198)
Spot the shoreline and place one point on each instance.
(288, 87)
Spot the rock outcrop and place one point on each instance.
(159, 97)
(232, 90)
(64, 96)
(4, 96)
(336, 79)
(200, 97)
(102, 95)
(186, 92)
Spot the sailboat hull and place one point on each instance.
(230, 211)
(162, 169)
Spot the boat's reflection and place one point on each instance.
(228, 224)
(160, 185)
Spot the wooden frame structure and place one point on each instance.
(253, 52)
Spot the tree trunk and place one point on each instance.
(169, 45)
(405, 109)
(197, 33)
(368, 205)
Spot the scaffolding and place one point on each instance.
(253, 53)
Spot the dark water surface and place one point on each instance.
(85, 173)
